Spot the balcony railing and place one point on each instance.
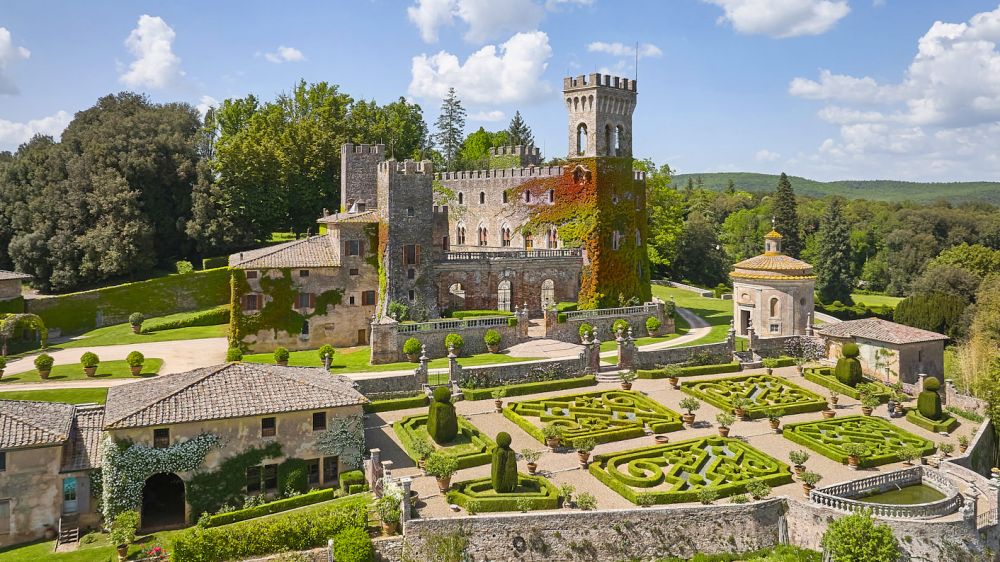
(648, 308)
(513, 254)
(486, 321)
(838, 496)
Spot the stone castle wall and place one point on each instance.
(358, 165)
(480, 280)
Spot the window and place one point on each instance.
(4, 517)
(312, 469)
(270, 477)
(461, 198)
(444, 243)
(268, 427)
(251, 275)
(460, 234)
(527, 197)
(352, 247)
(529, 242)
(482, 236)
(3, 461)
(505, 197)
(774, 328)
(607, 140)
(319, 421)
(552, 196)
(350, 300)
(330, 469)
(482, 197)
(253, 479)
(774, 308)
(251, 302)
(505, 236)
(411, 254)
(304, 333)
(354, 271)
(368, 298)
(410, 212)
(412, 295)
(307, 300)
(161, 438)
(411, 273)
(581, 139)
(303, 273)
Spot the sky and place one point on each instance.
(825, 89)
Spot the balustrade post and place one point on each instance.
(420, 373)
(454, 369)
(404, 509)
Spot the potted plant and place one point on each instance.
(725, 421)
(770, 363)
(454, 342)
(774, 418)
(123, 530)
(868, 403)
(809, 481)
(798, 457)
(673, 373)
(566, 491)
(653, 325)
(411, 349)
(898, 411)
(498, 396)
(441, 467)
(690, 404)
(389, 510)
(626, 378)
(90, 361)
(135, 360)
(585, 331)
(854, 453)
(492, 340)
(946, 449)
(583, 450)
(963, 440)
(740, 406)
(135, 320)
(834, 397)
(44, 364)
(531, 457)
(553, 435)
(281, 356)
(422, 449)
(909, 454)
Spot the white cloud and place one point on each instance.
(782, 18)
(155, 65)
(429, 15)
(9, 54)
(205, 103)
(509, 73)
(765, 155)
(13, 134)
(494, 115)
(646, 50)
(486, 19)
(942, 118)
(285, 54)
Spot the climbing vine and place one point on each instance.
(280, 312)
(210, 490)
(345, 438)
(12, 322)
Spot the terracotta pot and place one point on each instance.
(122, 551)
(661, 439)
(674, 382)
(44, 373)
(853, 462)
(800, 369)
(653, 333)
(136, 328)
(866, 410)
(806, 488)
(899, 411)
(412, 357)
(390, 528)
(493, 348)
(498, 404)
(834, 400)
(584, 456)
(829, 414)
(774, 424)
(770, 371)
(282, 363)
(688, 418)
(626, 386)
(961, 448)
(552, 443)
(136, 371)
(799, 469)
(740, 413)
(90, 371)
(444, 484)
(532, 467)
(723, 431)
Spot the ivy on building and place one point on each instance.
(210, 490)
(279, 313)
(345, 438)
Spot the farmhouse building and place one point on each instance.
(890, 352)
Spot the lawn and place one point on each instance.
(121, 334)
(876, 300)
(717, 312)
(74, 372)
(67, 395)
(681, 325)
(355, 360)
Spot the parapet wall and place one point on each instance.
(526, 172)
(596, 79)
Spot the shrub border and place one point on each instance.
(947, 424)
(505, 502)
(406, 438)
(691, 371)
(756, 412)
(823, 376)
(309, 498)
(522, 389)
(834, 454)
(393, 404)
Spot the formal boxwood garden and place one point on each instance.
(478, 496)
(679, 472)
(884, 441)
(690, 371)
(470, 447)
(946, 424)
(763, 393)
(529, 387)
(825, 377)
(606, 416)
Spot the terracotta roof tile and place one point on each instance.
(25, 423)
(879, 330)
(8, 275)
(83, 450)
(364, 216)
(314, 251)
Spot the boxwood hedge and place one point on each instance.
(395, 404)
(824, 376)
(529, 387)
(946, 424)
(278, 506)
(478, 496)
(691, 371)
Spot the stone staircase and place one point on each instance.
(69, 529)
(608, 374)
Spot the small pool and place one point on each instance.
(907, 495)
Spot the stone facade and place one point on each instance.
(893, 362)
(773, 293)
(358, 175)
(9, 289)
(600, 114)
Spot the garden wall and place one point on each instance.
(513, 371)
(601, 321)
(952, 397)
(388, 386)
(721, 352)
(979, 457)
(78, 312)
(388, 337)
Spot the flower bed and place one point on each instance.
(532, 492)
(691, 371)
(602, 416)
(884, 441)
(946, 424)
(529, 388)
(470, 447)
(764, 392)
(678, 472)
(824, 377)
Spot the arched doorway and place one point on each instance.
(548, 293)
(163, 501)
(503, 295)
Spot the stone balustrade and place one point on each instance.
(650, 308)
(842, 496)
(512, 254)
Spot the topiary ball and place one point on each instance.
(850, 350)
(442, 394)
(932, 384)
(503, 439)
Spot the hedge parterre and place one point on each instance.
(883, 440)
(470, 447)
(824, 377)
(677, 472)
(606, 416)
(763, 393)
(478, 496)
(946, 424)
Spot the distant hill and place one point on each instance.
(880, 190)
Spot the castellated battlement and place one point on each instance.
(598, 80)
(406, 167)
(518, 150)
(529, 172)
(362, 149)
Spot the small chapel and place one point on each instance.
(772, 292)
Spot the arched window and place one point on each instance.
(619, 133)
(461, 198)
(505, 236)
(482, 236)
(638, 237)
(460, 234)
(482, 197)
(548, 293)
(774, 308)
(505, 196)
(457, 295)
(607, 140)
(527, 196)
(552, 241)
(581, 139)
(552, 196)
(503, 295)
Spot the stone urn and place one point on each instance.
(136, 328)
(827, 414)
(90, 371)
(653, 333)
(799, 469)
(493, 348)
(136, 371)
(866, 410)
(444, 484)
(723, 431)
(675, 382)
(774, 424)
(853, 462)
(806, 488)
(553, 442)
(800, 369)
(626, 386)
(661, 439)
(532, 468)
(740, 413)
(44, 373)
(584, 457)
(282, 363)
(390, 529)
(899, 411)
(122, 551)
(834, 400)
(498, 405)
(412, 357)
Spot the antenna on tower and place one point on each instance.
(636, 75)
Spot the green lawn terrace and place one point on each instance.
(763, 393)
(883, 440)
(679, 472)
(471, 447)
(478, 496)
(118, 369)
(611, 415)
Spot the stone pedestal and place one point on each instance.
(626, 350)
(404, 509)
(420, 373)
(454, 369)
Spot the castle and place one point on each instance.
(518, 235)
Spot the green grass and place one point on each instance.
(355, 360)
(121, 334)
(681, 325)
(74, 372)
(67, 395)
(717, 312)
(876, 300)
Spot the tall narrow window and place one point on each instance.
(482, 197)
(774, 308)
(504, 196)
(619, 133)
(581, 139)
(552, 196)
(312, 469)
(461, 198)
(270, 477)
(503, 295)
(268, 427)
(505, 236)
(253, 479)
(330, 469)
(529, 242)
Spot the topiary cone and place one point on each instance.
(503, 471)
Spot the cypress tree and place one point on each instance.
(519, 132)
(450, 126)
(834, 279)
(786, 218)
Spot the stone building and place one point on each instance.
(772, 292)
(10, 288)
(890, 352)
(516, 235)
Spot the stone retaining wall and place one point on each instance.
(388, 336)
(389, 386)
(601, 321)
(721, 352)
(511, 372)
(952, 397)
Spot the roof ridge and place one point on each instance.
(208, 373)
(278, 247)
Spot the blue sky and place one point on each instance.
(828, 89)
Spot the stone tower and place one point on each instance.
(600, 110)
(358, 164)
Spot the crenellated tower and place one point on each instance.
(600, 110)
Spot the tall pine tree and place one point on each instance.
(450, 128)
(519, 132)
(834, 277)
(786, 218)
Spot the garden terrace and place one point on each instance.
(612, 415)
(824, 377)
(851, 496)
(470, 447)
(478, 496)
(884, 441)
(764, 393)
(677, 472)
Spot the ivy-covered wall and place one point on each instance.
(12, 306)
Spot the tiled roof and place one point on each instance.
(774, 262)
(9, 275)
(82, 451)
(363, 216)
(25, 423)
(314, 251)
(233, 390)
(772, 277)
(773, 235)
(879, 330)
